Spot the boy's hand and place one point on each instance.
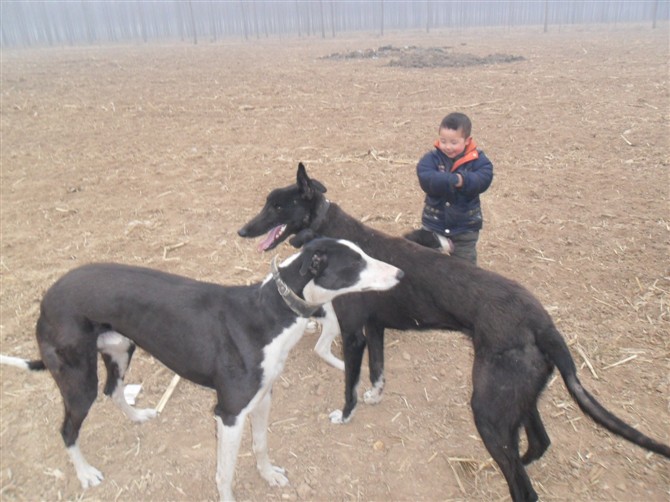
(455, 180)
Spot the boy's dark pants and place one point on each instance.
(465, 246)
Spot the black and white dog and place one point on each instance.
(515, 341)
(233, 339)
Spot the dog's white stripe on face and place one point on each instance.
(376, 276)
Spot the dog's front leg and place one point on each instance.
(229, 438)
(330, 329)
(354, 347)
(88, 475)
(375, 338)
(259, 428)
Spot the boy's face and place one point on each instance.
(452, 142)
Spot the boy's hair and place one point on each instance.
(456, 121)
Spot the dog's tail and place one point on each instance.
(36, 365)
(553, 345)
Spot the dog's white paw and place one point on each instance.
(372, 396)
(274, 475)
(337, 418)
(89, 476)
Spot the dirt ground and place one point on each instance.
(156, 155)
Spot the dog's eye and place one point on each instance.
(278, 207)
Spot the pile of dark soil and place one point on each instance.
(424, 57)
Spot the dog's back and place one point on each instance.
(465, 295)
(139, 302)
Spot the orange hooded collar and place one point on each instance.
(471, 153)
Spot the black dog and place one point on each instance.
(515, 341)
(232, 339)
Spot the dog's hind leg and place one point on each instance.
(228, 446)
(375, 338)
(354, 346)
(538, 439)
(499, 393)
(259, 428)
(330, 328)
(74, 368)
(78, 402)
(117, 350)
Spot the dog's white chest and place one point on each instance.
(276, 352)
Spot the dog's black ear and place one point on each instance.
(307, 185)
(302, 238)
(314, 264)
(423, 237)
(319, 186)
(303, 180)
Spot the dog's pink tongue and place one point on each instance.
(269, 238)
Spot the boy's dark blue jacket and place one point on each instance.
(449, 210)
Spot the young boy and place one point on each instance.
(452, 176)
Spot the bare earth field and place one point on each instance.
(156, 155)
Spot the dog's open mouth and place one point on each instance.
(272, 238)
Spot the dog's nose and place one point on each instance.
(400, 274)
(242, 232)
